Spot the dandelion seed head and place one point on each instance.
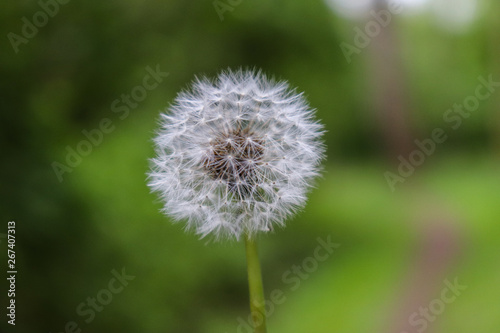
(236, 155)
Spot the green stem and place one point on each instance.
(257, 302)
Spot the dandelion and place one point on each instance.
(236, 156)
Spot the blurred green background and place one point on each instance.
(396, 247)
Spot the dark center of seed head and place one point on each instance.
(233, 158)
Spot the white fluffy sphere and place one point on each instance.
(237, 155)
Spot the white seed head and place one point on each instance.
(236, 156)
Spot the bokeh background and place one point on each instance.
(397, 246)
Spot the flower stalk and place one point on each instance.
(257, 302)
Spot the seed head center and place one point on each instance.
(234, 157)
